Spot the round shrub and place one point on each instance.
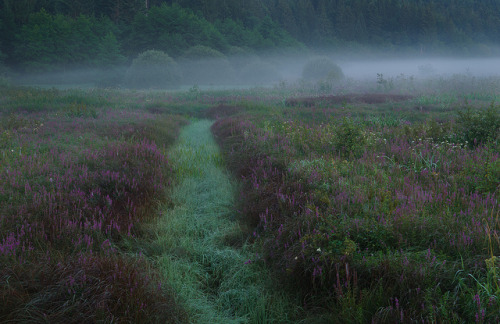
(153, 69)
(322, 68)
(202, 65)
(349, 139)
(476, 127)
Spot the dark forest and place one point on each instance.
(43, 35)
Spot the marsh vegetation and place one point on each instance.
(335, 200)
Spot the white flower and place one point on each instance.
(319, 250)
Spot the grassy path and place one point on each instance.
(213, 278)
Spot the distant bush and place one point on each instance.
(322, 68)
(476, 127)
(205, 65)
(349, 138)
(153, 69)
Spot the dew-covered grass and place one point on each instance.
(380, 212)
(201, 247)
(357, 201)
(76, 180)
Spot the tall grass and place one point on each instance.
(72, 188)
(382, 222)
(201, 248)
(371, 208)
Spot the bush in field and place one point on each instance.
(349, 138)
(478, 127)
(204, 65)
(322, 68)
(153, 69)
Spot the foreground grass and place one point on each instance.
(75, 183)
(200, 246)
(373, 211)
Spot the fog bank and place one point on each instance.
(268, 70)
(429, 67)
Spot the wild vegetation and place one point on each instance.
(153, 69)
(322, 68)
(376, 210)
(78, 179)
(319, 199)
(349, 202)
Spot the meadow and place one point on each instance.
(352, 202)
(378, 207)
(79, 175)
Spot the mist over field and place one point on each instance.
(422, 67)
(241, 72)
(241, 43)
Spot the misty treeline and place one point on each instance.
(40, 35)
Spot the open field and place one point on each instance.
(380, 216)
(350, 202)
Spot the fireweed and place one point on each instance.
(399, 231)
(72, 187)
(399, 225)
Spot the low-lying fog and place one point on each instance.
(421, 67)
(251, 71)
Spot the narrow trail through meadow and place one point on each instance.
(196, 235)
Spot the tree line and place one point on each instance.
(470, 26)
(38, 35)
(46, 35)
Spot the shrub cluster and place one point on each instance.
(153, 69)
(322, 68)
(206, 66)
(476, 127)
